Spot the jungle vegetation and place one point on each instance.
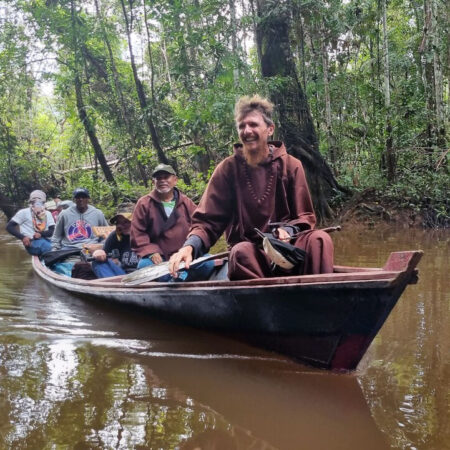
(96, 93)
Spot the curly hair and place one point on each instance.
(245, 105)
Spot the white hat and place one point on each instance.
(38, 195)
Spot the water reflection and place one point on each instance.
(79, 394)
(79, 375)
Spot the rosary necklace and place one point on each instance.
(270, 176)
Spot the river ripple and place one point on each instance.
(75, 374)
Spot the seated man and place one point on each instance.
(118, 244)
(260, 184)
(161, 221)
(34, 225)
(74, 225)
(74, 228)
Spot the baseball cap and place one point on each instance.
(163, 168)
(124, 210)
(81, 192)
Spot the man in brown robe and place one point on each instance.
(259, 184)
(161, 219)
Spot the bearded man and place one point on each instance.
(258, 185)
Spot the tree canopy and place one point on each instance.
(96, 93)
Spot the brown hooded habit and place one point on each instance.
(240, 197)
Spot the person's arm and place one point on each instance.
(215, 210)
(48, 233)
(209, 220)
(198, 247)
(13, 228)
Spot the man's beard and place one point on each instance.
(254, 158)
(165, 190)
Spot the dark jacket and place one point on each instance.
(153, 232)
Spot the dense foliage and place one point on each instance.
(96, 93)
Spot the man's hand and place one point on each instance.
(99, 255)
(26, 241)
(283, 235)
(183, 255)
(91, 248)
(37, 236)
(156, 258)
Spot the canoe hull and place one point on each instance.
(328, 325)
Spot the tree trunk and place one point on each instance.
(141, 93)
(83, 116)
(234, 42)
(296, 126)
(90, 131)
(328, 122)
(431, 68)
(389, 150)
(120, 99)
(438, 77)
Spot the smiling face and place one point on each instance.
(164, 183)
(254, 133)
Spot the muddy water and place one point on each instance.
(79, 375)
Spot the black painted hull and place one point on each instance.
(328, 324)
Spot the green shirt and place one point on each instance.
(168, 207)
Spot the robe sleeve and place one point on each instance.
(300, 201)
(215, 210)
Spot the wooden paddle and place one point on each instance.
(151, 273)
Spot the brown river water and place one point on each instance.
(81, 375)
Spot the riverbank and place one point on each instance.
(371, 208)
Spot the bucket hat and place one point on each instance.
(124, 210)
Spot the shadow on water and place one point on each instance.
(75, 374)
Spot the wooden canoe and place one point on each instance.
(326, 320)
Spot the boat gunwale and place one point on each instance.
(378, 277)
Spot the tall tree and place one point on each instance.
(389, 150)
(296, 125)
(81, 107)
(145, 107)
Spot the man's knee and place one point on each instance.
(322, 236)
(242, 251)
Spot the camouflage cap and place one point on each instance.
(163, 168)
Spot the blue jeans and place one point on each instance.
(106, 269)
(39, 246)
(201, 272)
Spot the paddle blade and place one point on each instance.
(146, 274)
(152, 273)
